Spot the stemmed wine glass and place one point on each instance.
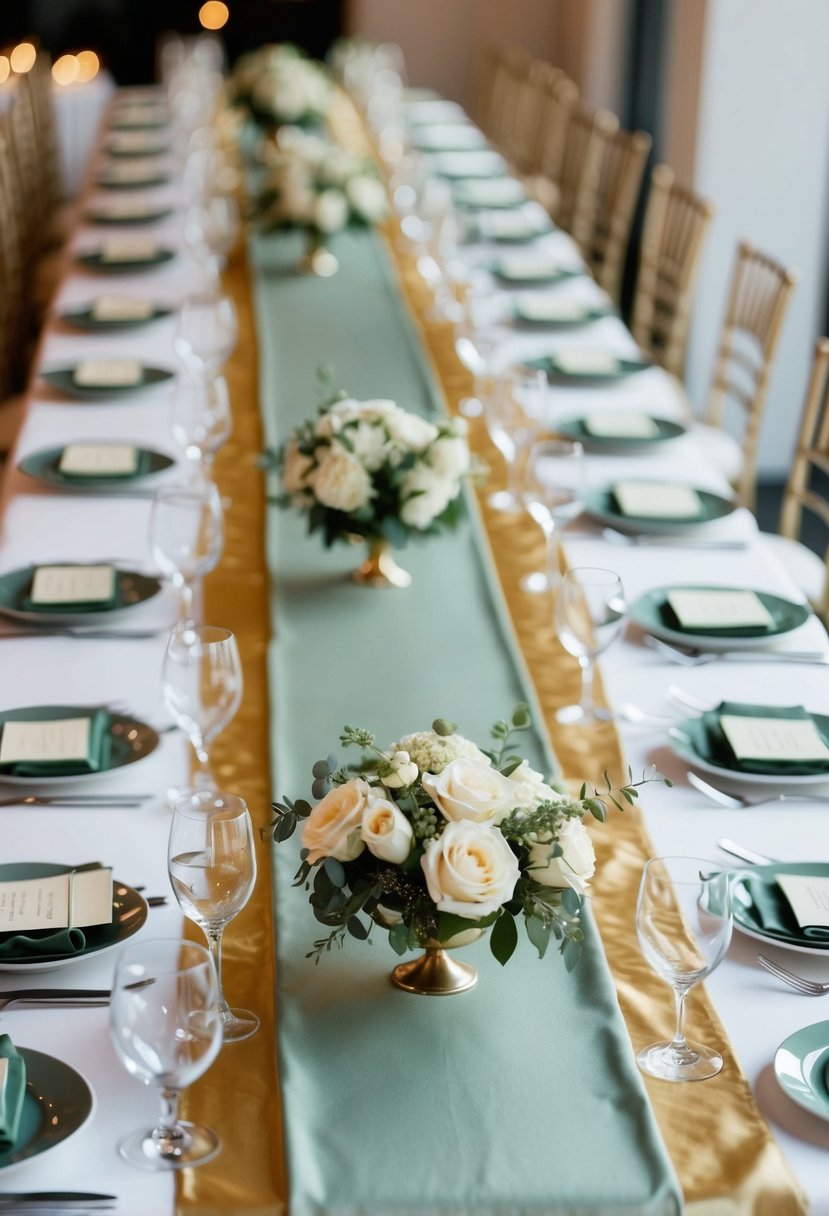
(553, 489)
(211, 229)
(476, 339)
(201, 684)
(212, 867)
(200, 418)
(590, 613)
(207, 330)
(514, 414)
(186, 535)
(683, 921)
(167, 1031)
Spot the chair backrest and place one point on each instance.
(484, 85)
(511, 73)
(16, 247)
(676, 223)
(39, 83)
(619, 185)
(559, 98)
(809, 475)
(532, 92)
(760, 293)
(589, 133)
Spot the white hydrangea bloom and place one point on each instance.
(424, 494)
(340, 481)
(449, 457)
(411, 431)
(367, 196)
(331, 211)
(432, 752)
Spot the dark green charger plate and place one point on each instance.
(94, 260)
(448, 138)
(142, 124)
(646, 612)
(137, 183)
(43, 465)
(767, 875)
(601, 504)
(58, 1102)
(125, 153)
(120, 221)
(129, 914)
(133, 588)
(586, 317)
(557, 275)
(130, 741)
(63, 378)
(624, 367)
(688, 742)
(574, 428)
(84, 318)
(801, 1065)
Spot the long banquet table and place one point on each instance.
(729, 1162)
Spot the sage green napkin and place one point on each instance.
(52, 942)
(11, 1093)
(764, 907)
(710, 743)
(107, 605)
(97, 759)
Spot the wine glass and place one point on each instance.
(211, 229)
(167, 1031)
(186, 535)
(553, 487)
(201, 684)
(514, 414)
(212, 867)
(476, 339)
(200, 419)
(207, 330)
(590, 613)
(683, 921)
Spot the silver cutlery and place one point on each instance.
(690, 656)
(51, 1201)
(78, 631)
(738, 850)
(687, 700)
(633, 713)
(738, 801)
(80, 801)
(69, 997)
(668, 542)
(798, 982)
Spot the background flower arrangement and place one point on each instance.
(279, 84)
(433, 837)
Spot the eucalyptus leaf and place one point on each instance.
(357, 929)
(399, 938)
(319, 788)
(335, 871)
(321, 769)
(504, 938)
(539, 933)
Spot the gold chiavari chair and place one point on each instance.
(511, 74)
(484, 86)
(12, 294)
(605, 248)
(806, 490)
(760, 293)
(675, 227)
(588, 137)
(559, 99)
(39, 83)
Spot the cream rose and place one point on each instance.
(574, 868)
(333, 827)
(367, 196)
(470, 869)
(331, 211)
(340, 481)
(467, 789)
(424, 494)
(449, 457)
(386, 831)
(531, 789)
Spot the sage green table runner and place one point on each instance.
(521, 1096)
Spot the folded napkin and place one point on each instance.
(52, 943)
(96, 760)
(12, 1092)
(711, 744)
(764, 907)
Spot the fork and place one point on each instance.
(736, 801)
(633, 713)
(670, 542)
(80, 801)
(798, 982)
(690, 656)
(78, 631)
(55, 996)
(55, 1201)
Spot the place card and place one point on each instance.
(500, 192)
(125, 209)
(780, 739)
(76, 899)
(473, 163)
(526, 266)
(578, 362)
(136, 141)
(621, 426)
(808, 896)
(129, 249)
(133, 171)
(122, 308)
(107, 373)
(657, 500)
(98, 460)
(56, 741)
(704, 609)
(72, 585)
(552, 309)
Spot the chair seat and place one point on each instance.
(806, 570)
(722, 450)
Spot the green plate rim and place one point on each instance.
(82, 319)
(145, 583)
(94, 261)
(800, 1044)
(151, 217)
(61, 379)
(624, 368)
(573, 428)
(817, 868)
(601, 508)
(772, 602)
(42, 1071)
(590, 315)
(560, 275)
(87, 484)
(121, 724)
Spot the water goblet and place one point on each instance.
(186, 535)
(553, 486)
(200, 419)
(683, 922)
(166, 1028)
(207, 330)
(211, 229)
(201, 685)
(514, 414)
(590, 613)
(212, 867)
(476, 339)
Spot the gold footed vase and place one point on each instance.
(318, 258)
(380, 569)
(435, 973)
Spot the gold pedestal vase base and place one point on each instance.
(380, 569)
(318, 260)
(434, 974)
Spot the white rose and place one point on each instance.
(333, 827)
(470, 870)
(370, 444)
(574, 868)
(331, 211)
(386, 831)
(467, 789)
(424, 495)
(295, 469)
(449, 457)
(403, 773)
(531, 789)
(340, 481)
(367, 196)
(411, 431)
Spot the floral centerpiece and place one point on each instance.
(372, 469)
(279, 84)
(437, 840)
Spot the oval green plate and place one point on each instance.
(786, 615)
(524, 321)
(58, 1102)
(111, 218)
(63, 378)
(574, 428)
(133, 589)
(800, 1064)
(557, 274)
(683, 741)
(130, 741)
(138, 183)
(44, 465)
(624, 367)
(84, 318)
(95, 261)
(767, 875)
(601, 504)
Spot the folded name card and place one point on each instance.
(621, 426)
(788, 739)
(125, 209)
(129, 249)
(553, 309)
(808, 896)
(657, 500)
(98, 460)
(121, 308)
(498, 193)
(134, 171)
(53, 742)
(136, 141)
(586, 362)
(107, 373)
(76, 899)
(701, 609)
(527, 266)
(72, 585)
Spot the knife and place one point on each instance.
(32, 1202)
(55, 996)
(737, 850)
